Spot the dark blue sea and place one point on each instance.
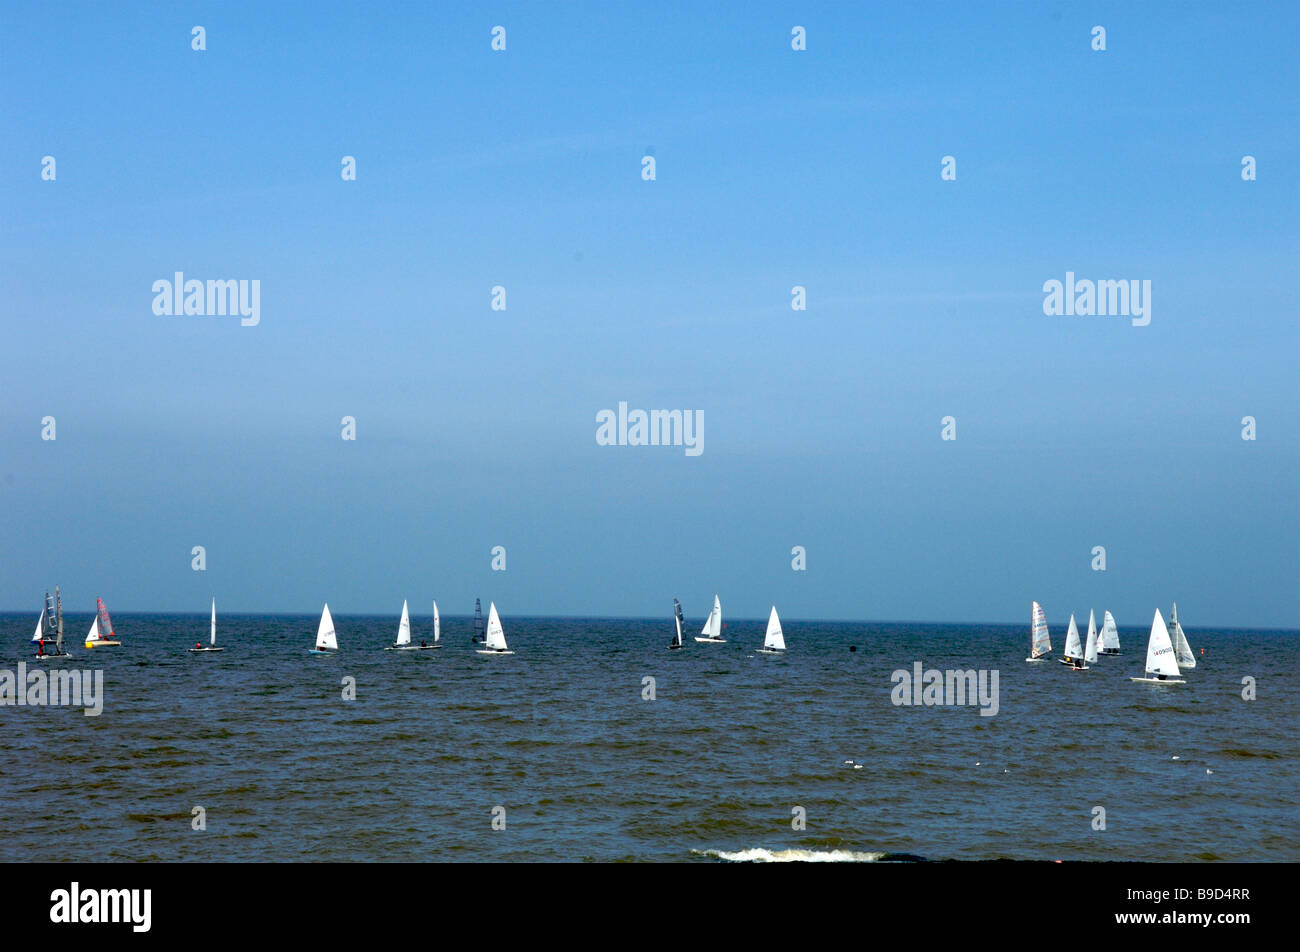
(560, 737)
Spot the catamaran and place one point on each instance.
(101, 629)
(403, 642)
(1109, 635)
(1182, 649)
(1040, 643)
(712, 630)
(478, 623)
(774, 640)
(677, 617)
(1090, 647)
(1073, 649)
(1162, 665)
(50, 628)
(326, 640)
(496, 637)
(212, 633)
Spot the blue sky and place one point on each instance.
(521, 168)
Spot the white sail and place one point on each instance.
(1040, 642)
(1160, 650)
(437, 624)
(213, 637)
(713, 624)
(1073, 647)
(1182, 649)
(325, 638)
(40, 627)
(93, 634)
(496, 637)
(774, 640)
(1109, 633)
(404, 626)
(1090, 647)
(677, 620)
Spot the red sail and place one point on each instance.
(105, 624)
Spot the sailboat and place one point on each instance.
(1109, 635)
(403, 642)
(326, 640)
(1073, 649)
(1162, 665)
(677, 617)
(50, 628)
(478, 623)
(1090, 646)
(1182, 650)
(774, 640)
(42, 623)
(101, 629)
(496, 637)
(1040, 643)
(713, 626)
(212, 633)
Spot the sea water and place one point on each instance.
(594, 742)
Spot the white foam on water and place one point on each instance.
(760, 855)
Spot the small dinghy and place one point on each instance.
(712, 630)
(403, 642)
(478, 623)
(1090, 646)
(496, 636)
(1162, 665)
(101, 629)
(1182, 650)
(212, 633)
(677, 618)
(774, 640)
(49, 629)
(1040, 643)
(1073, 648)
(326, 640)
(1109, 635)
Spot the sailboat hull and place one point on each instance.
(322, 650)
(771, 651)
(674, 647)
(199, 650)
(493, 651)
(1158, 680)
(51, 654)
(711, 641)
(103, 644)
(411, 647)
(1039, 658)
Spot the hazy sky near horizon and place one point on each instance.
(821, 428)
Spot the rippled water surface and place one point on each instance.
(560, 736)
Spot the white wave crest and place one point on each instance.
(760, 855)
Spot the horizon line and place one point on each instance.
(757, 620)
